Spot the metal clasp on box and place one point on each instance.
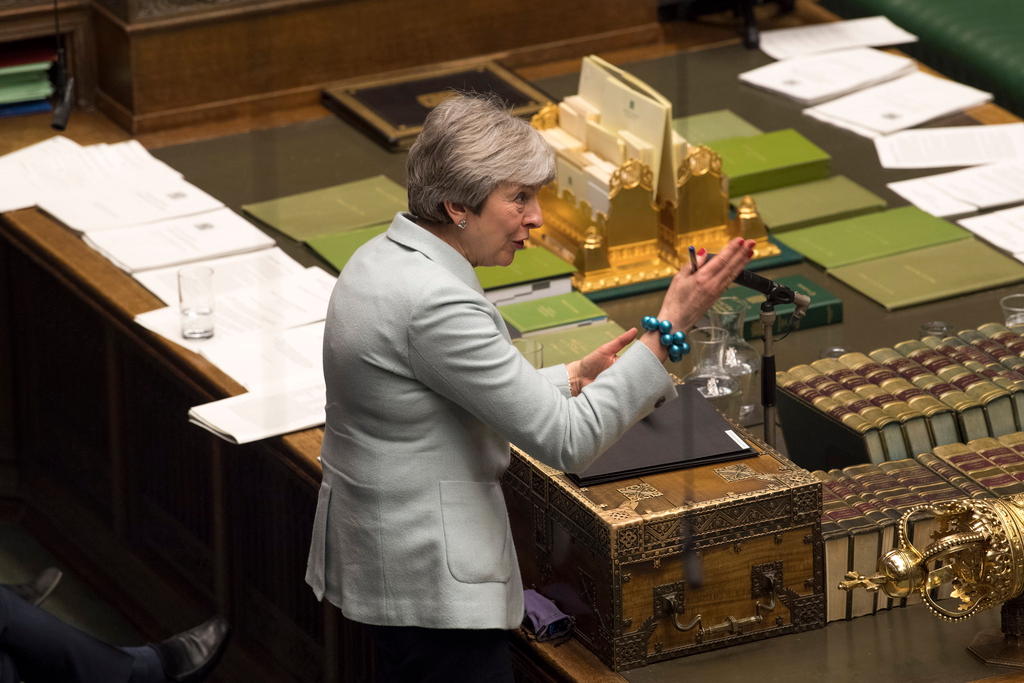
(764, 584)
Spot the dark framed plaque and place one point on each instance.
(392, 109)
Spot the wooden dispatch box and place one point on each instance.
(611, 555)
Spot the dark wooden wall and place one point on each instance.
(177, 62)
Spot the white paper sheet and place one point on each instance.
(263, 361)
(784, 43)
(260, 415)
(107, 206)
(1002, 229)
(952, 146)
(979, 187)
(820, 77)
(287, 302)
(901, 103)
(177, 241)
(231, 272)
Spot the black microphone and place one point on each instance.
(780, 294)
(62, 110)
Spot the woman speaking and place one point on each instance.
(425, 392)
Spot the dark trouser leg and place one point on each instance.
(8, 672)
(44, 648)
(411, 654)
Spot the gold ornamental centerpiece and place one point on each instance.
(978, 553)
(630, 194)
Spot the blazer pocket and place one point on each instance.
(476, 533)
(316, 564)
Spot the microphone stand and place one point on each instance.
(776, 296)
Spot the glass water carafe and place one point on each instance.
(740, 359)
(709, 374)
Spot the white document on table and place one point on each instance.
(930, 198)
(1002, 229)
(783, 43)
(820, 77)
(979, 187)
(231, 272)
(290, 301)
(901, 103)
(952, 146)
(261, 415)
(262, 361)
(106, 206)
(19, 187)
(177, 241)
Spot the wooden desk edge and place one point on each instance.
(119, 298)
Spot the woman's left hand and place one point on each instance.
(599, 360)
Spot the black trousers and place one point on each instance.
(409, 654)
(37, 647)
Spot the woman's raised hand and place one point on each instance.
(691, 294)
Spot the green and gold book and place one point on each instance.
(551, 313)
(701, 129)
(530, 265)
(565, 346)
(819, 201)
(938, 272)
(770, 160)
(338, 249)
(826, 308)
(872, 236)
(331, 210)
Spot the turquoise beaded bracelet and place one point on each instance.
(675, 342)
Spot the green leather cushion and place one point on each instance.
(978, 42)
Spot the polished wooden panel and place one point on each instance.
(165, 519)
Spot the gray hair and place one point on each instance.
(468, 147)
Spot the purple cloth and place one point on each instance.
(543, 619)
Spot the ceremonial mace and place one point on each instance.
(980, 546)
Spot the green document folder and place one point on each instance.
(770, 160)
(25, 86)
(930, 274)
(30, 67)
(871, 236)
(701, 129)
(332, 210)
(338, 249)
(551, 312)
(826, 308)
(565, 346)
(819, 201)
(530, 264)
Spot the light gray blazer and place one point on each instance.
(424, 394)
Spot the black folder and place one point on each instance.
(684, 432)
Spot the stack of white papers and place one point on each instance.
(955, 146)
(106, 206)
(784, 43)
(260, 362)
(965, 191)
(1003, 229)
(254, 416)
(173, 242)
(51, 167)
(898, 104)
(820, 77)
(232, 272)
(290, 301)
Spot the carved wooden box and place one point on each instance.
(612, 555)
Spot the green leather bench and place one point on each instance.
(978, 42)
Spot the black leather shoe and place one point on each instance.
(39, 588)
(191, 655)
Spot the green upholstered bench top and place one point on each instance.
(978, 42)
